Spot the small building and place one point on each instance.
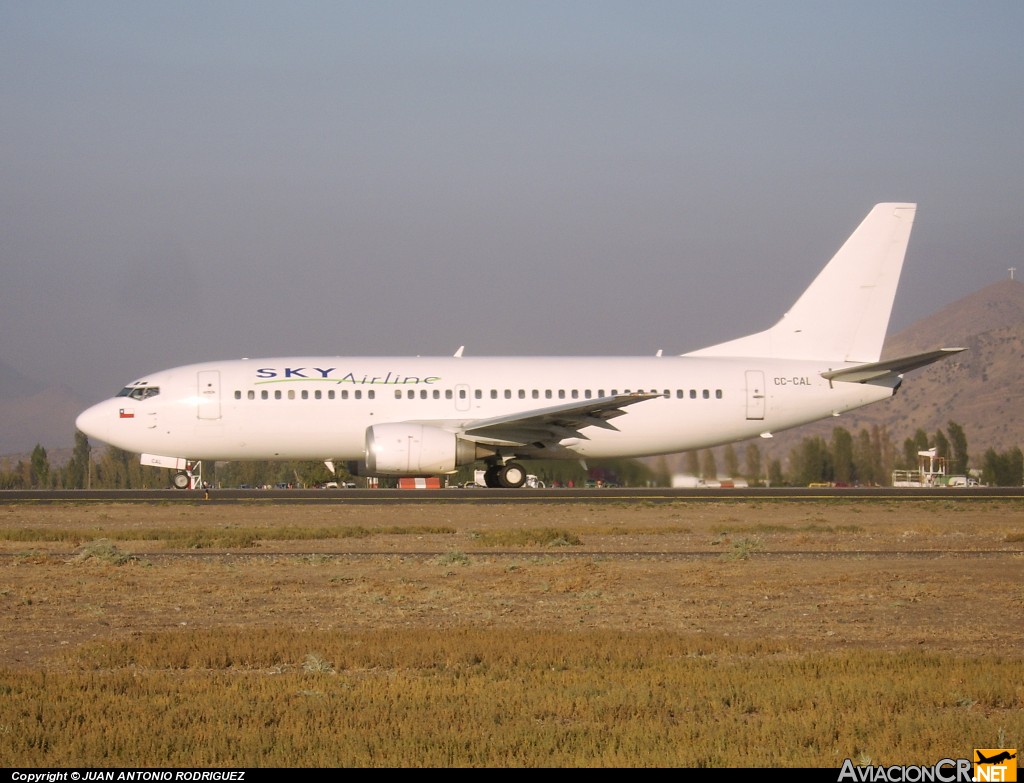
(931, 472)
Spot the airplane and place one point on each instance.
(996, 759)
(428, 416)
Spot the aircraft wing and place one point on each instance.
(863, 373)
(552, 424)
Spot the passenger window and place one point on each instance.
(317, 394)
(277, 394)
(238, 394)
(251, 395)
(718, 394)
(358, 394)
(264, 394)
(372, 394)
(291, 394)
(706, 394)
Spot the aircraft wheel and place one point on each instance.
(181, 480)
(512, 476)
(491, 477)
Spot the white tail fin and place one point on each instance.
(844, 314)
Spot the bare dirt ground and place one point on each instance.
(936, 575)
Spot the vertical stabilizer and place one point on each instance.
(844, 314)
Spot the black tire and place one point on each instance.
(491, 477)
(181, 480)
(512, 476)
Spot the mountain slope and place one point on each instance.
(982, 389)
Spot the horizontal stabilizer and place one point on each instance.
(863, 373)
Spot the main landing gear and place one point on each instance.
(511, 475)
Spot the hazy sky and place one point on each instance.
(184, 181)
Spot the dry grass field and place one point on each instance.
(197, 592)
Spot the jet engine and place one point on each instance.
(416, 449)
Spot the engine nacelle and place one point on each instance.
(416, 449)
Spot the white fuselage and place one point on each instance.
(321, 407)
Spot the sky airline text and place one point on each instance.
(274, 375)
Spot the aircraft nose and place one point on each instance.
(94, 421)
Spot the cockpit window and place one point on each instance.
(139, 392)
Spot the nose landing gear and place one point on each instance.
(189, 478)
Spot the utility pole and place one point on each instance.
(1012, 270)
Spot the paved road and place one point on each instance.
(619, 495)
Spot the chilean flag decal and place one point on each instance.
(127, 413)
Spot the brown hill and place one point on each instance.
(981, 389)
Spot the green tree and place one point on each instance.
(1015, 467)
(864, 465)
(1003, 469)
(10, 477)
(909, 454)
(40, 468)
(888, 455)
(911, 446)
(78, 468)
(708, 466)
(842, 455)
(752, 458)
(661, 476)
(732, 462)
(112, 469)
(691, 463)
(958, 458)
(810, 462)
(877, 461)
(941, 445)
(775, 475)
